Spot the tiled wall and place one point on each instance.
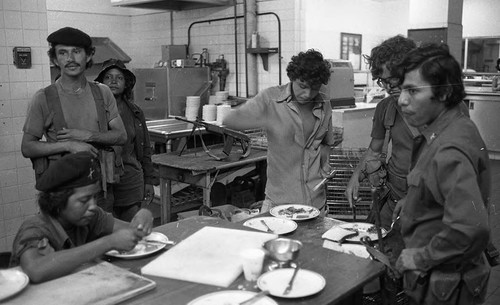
(22, 23)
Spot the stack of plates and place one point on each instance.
(192, 107)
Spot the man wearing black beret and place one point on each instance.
(71, 229)
(74, 115)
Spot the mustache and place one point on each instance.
(71, 64)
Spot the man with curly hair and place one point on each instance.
(387, 119)
(298, 123)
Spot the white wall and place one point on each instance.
(481, 18)
(375, 21)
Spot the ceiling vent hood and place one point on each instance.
(174, 5)
(105, 49)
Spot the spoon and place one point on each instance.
(392, 224)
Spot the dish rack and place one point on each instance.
(345, 160)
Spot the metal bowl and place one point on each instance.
(283, 249)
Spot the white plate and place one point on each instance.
(143, 248)
(295, 211)
(353, 249)
(306, 282)
(362, 228)
(230, 297)
(12, 281)
(277, 225)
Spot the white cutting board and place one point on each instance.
(210, 256)
(100, 284)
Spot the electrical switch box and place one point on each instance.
(22, 57)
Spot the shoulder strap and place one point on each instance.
(99, 104)
(389, 120)
(54, 105)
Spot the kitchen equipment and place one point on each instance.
(330, 176)
(161, 92)
(97, 284)
(307, 282)
(210, 256)
(283, 252)
(340, 87)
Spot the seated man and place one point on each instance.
(71, 229)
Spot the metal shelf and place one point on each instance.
(264, 54)
(172, 5)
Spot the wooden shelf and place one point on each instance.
(264, 54)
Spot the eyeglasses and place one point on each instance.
(391, 82)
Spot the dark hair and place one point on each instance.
(90, 50)
(439, 68)
(52, 203)
(309, 67)
(498, 64)
(390, 52)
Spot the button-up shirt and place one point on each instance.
(44, 232)
(445, 216)
(295, 164)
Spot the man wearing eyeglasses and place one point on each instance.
(388, 125)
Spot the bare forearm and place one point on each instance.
(64, 262)
(36, 149)
(110, 138)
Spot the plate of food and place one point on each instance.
(12, 281)
(231, 297)
(272, 225)
(363, 229)
(306, 282)
(150, 244)
(295, 211)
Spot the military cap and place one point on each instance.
(117, 64)
(70, 37)
(70, 171)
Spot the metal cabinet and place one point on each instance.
(161, 92)
(484, 111)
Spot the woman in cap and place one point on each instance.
(70, 229)
(130, 197)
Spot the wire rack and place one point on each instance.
(345, 160)
(258, 138)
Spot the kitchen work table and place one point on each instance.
(345, 274)
(196, 167)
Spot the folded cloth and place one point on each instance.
(336, 233)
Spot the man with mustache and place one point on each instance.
(74, 115)
(298, 124)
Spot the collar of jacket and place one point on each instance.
(287, 96)
(432, 131)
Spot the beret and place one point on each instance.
(70, 171)
(70, 37)
(117, 64)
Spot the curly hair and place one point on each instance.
(439, 68)
(88, 50)
(390, 52)
(52, 203)
(309, 67)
